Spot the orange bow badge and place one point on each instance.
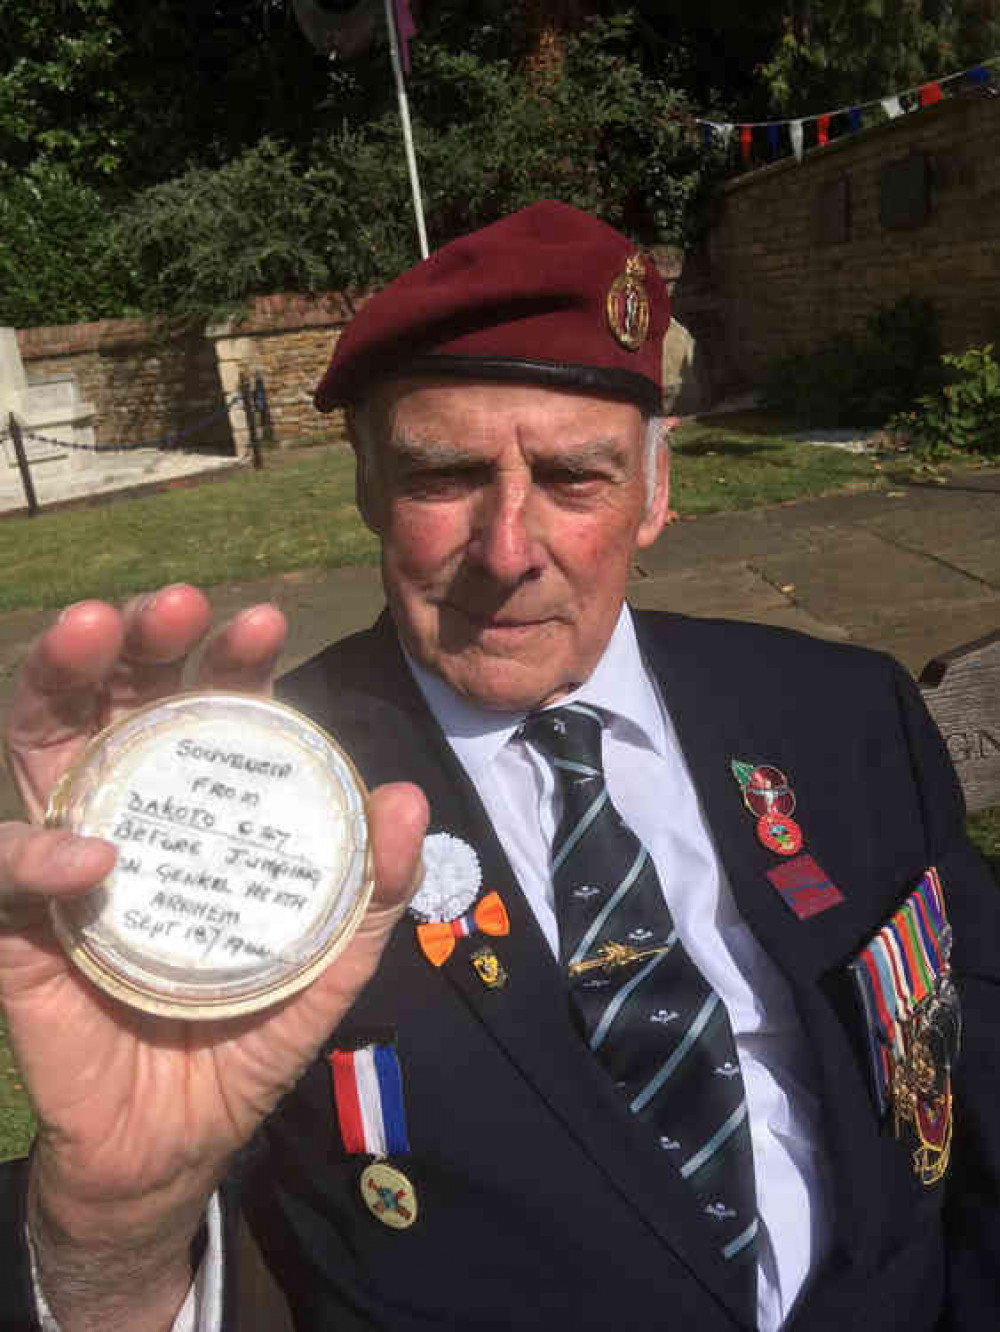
(437, 937)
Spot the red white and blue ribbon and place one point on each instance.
(900, 969)
(368, 1088)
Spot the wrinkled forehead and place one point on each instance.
(446, 412)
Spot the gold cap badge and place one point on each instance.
(628, 305)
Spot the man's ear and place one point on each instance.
(658, 505)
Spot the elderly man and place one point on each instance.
(676, 1005)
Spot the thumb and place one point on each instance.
(397, 816)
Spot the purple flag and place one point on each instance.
(405, 30)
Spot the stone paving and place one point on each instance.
(915, 571)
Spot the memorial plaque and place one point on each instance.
(243, 863)
(962, 690)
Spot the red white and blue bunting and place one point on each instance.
(763, 141)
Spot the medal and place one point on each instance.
(913, 1024)
(368, 1092)
(389, 1195)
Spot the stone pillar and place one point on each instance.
(233, 355)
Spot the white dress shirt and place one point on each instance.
(649, 782)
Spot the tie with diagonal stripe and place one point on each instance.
(648, 1013)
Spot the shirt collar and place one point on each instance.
(619, 684)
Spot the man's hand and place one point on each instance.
(138, 1115)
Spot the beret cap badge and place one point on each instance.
(628, 305)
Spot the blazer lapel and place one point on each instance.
(388, 728)
(812, 954)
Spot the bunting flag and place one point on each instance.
(892, 105)
(796, 134)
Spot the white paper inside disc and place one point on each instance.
(242, 854)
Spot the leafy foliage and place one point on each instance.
(836, 52)
(602, 136)
(964, 414)
(861, 379)
(58, 259)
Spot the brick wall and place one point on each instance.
(145, 385)
(777, 274)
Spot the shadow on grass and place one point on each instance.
(722, 447)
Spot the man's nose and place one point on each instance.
(503, 543)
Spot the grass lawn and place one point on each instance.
(300, 514)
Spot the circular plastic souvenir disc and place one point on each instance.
(243, 863)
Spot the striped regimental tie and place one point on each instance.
(648, 1013)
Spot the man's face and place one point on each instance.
(508, 515)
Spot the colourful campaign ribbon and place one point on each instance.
(368, 1088)
(437, 937)
(898, 971)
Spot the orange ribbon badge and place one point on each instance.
(437, 937)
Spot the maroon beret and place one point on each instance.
(549, 295)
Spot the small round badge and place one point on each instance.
(452, 879)
(779, 834)
(389, 1195)
(767, 792)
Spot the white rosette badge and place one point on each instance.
(452, 879)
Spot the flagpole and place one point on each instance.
(404, 116)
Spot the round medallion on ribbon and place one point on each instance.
(389, 1195)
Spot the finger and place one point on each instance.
(243, 654)
(58, 697)
(161, 630)
(37, 865)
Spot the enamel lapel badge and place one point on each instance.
(803, 886)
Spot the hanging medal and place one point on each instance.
(368, 1091)
(913, 1021)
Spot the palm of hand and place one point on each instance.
(131, 1105)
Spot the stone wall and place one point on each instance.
(145, 385)
(797, 252)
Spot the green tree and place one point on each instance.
(834, 52)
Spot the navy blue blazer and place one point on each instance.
(542, 1203)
